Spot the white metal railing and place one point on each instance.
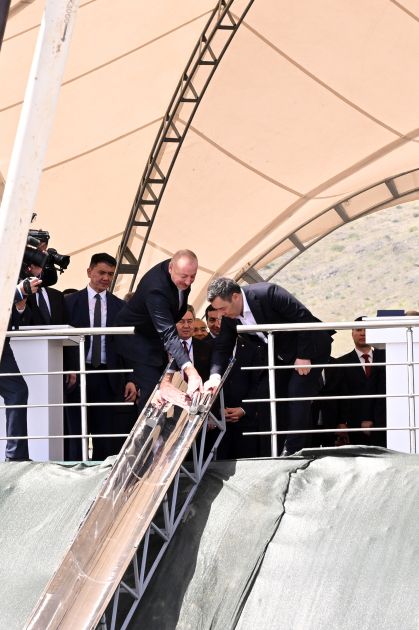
(408, 324)
(77, 335)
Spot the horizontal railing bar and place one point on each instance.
(346, 430)
(246, 433)
(63, 437)
(79, 404)
(63, 372)
(326, 365)
(314, 398)
(71, 332)
(396, 322)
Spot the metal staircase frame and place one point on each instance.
(206, 56)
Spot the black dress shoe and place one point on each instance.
(17, 459)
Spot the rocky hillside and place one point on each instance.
(370, 264)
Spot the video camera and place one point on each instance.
(36, 253)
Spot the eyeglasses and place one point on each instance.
(187, 322)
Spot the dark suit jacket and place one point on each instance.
(202, 357)
(32, 315)
(271, 304)
(154, 311)
(353, 381)
(77, 306)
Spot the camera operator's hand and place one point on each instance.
(23, 289)
(29, 285)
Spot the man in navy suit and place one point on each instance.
(159, 301)
(267, 303)
(83, 308)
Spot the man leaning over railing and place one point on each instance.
(267, 303)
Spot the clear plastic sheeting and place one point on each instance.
(325, 540)
(109, 536)
(41, 507)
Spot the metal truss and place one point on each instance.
(161, 530)
(206, 56)
(385, 193)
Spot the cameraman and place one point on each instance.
(45, 307)
(13, 389)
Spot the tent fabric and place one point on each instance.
(41, 508)
(311, 104)
(325, 540)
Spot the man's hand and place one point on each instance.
(233, 414)
(367, 424)
(130, 393)
(212, 383)
(303, 366)
(20, 306)
(70, 380)
(341, 439)
(194, 381)
(32, 287)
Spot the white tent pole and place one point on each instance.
(30, 144)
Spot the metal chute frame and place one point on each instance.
(115, 534)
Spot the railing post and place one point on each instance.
(83, 400)
(272, 393)
(411, 389)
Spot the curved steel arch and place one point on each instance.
(391, 190)
(206, 56)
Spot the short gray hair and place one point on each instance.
(184, 253)
(222, 288)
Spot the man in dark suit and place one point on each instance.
(45, 307)
(213, 322)
(94, 306)
(363, 379)
(159, 301)
(13, 388)
(199, 350)
(266, 303)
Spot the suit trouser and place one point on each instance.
(14, 391)
(145, 376)
(101, 419)
(297, 415)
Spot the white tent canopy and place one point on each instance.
(310, 120)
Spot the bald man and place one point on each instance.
(159, 302)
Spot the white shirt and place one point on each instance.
(103, 311)
(248, 319)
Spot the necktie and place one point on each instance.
(185, 347)
(96, 343)
(43, 307)
(367, 366)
